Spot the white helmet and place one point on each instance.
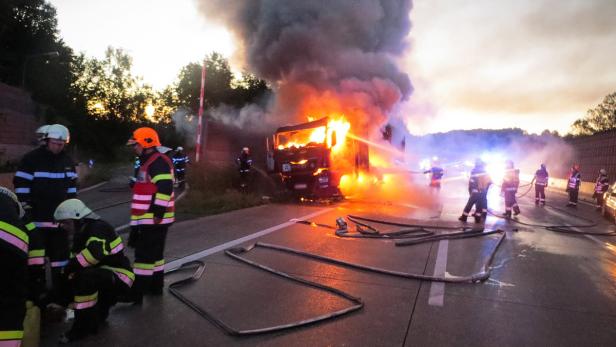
(71, 209)
(12, 196)
(180, 148)
(58, 132)
(41, 132)
(246, 149)
(603, 172)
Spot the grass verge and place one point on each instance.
(213, 190)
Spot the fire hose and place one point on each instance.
(564, 228)
(419, 235)
(234, 253)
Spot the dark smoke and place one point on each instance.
(312, 51)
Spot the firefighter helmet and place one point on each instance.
(246, 150)
(71, 209)
(543, 166)
(41, 132)
(57, 132)
(179, 149)
(146, 137)
(12, 196)
(603, 172)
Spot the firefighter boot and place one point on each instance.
(86, 323)
(157, 284)
(507, 214)
(462, 218)
(516, 210)
(477, 217)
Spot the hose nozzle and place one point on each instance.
(341, 223)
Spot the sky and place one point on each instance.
(474, 63)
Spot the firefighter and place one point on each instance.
(152, 212)
(244, 162)
(511, 182)
(436, 175)
(98, 274)
(601, 186)
(478, 185)
(13, 271)
(45, 177)
(541, 182)
(179, 162)
(136, 166)
(573, 185)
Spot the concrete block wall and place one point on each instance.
(17, 123)
(596, 152)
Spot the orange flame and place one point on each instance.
(337, 129)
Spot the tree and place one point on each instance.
(27, 28)
(114, 101)
(600, 118)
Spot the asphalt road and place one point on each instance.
(546, 288)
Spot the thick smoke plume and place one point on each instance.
(322, 56)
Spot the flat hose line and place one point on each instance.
(480, 276)
(565, 228)
(358, 304)
(417, 232)
(114, 190)
(234, 253)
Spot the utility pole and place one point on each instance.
(200, 121)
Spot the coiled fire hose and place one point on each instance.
(357, 304)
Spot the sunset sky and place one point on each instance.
(474, 64)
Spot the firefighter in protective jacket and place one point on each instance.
(45, 177)
(511, 182)
(180, 160)
(13, 272)
(98, 274)
(478, 185)
(436, 175)
(601, 186)
(541, 182)
(573, 185)
(152, 212)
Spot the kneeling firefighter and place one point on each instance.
(13, 272)
(98, 274)
(511, 182)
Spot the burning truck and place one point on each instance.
(310, 158)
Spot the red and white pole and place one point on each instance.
(200, 122)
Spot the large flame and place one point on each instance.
(334, 135)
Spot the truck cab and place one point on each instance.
(302, 156)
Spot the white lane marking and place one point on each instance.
(437, 289)
(204, 253)
(92, 187)
(127, 225)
